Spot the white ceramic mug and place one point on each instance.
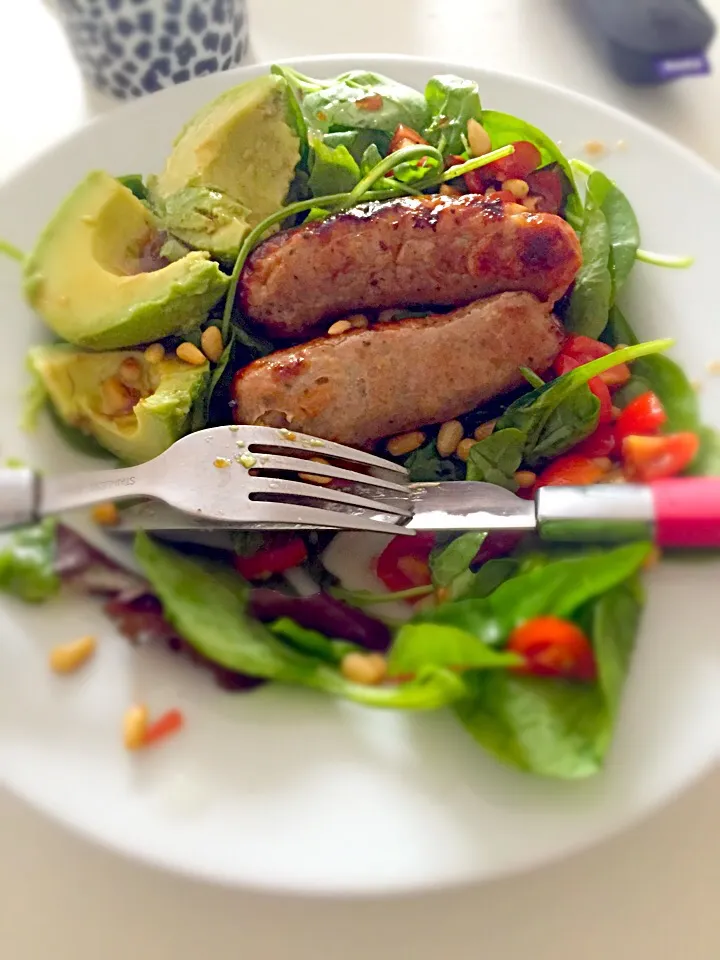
(131, 47)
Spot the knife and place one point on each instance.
(681, 512)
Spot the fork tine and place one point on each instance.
(270, 461)
(296, 488)
(315, 517)
(273, 437)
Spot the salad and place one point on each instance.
(399, 270)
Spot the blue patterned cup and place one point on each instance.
(131, 47)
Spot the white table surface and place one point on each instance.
(651, 893)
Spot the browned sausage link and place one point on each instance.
(416, 251)
(366, 384)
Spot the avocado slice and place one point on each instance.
(97, 279)
(133, 408)
(242, 150)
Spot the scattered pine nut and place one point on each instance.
(518, 188)
(155, 353)
(696, 385)
(594, 148)
(189, 353)
(484, 429)
(525, 479)
(314, 477)
(135, 724)
(211, 342)
(69, 657)
(221, 462)
(340, 326)
(478, 138)
(405, 443)
(105, 514)
(464, 448)
(448, 438)
(714, 367)
(368, 669)
(447, 191)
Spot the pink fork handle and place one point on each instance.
(687, 512)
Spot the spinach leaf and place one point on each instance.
(135, 184)
(27, 563)
(624, 232)
(504, 129)
(422, 645)
(550, 727)
(455, 558)
(618, 330)
(496, 458)
(370, 158)
(590, 301)
(207, 603)
(359, 142)
(560, 588)
(424, 465)
(451, 102)
(356, 100)
(485, 580)
(311, 642)
(332, 169)
(552, 418)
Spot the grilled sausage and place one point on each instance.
(366, 384)
(416, 251)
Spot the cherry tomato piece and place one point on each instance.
(404, 137)
(503, 195)
(570, 470)
(653, 458)
(583, 349)
(642, 416)
(599, 444)
(477, 181)
(602, 392)
(281, 553)
(517, 165)
(547, 186)
(404, 562)
(553, 647)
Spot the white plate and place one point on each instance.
(287, 790)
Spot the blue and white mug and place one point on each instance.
(128, 48)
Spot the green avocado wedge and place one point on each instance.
(133, 408)
(231, 167)
(95, 284)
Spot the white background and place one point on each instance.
(651, 893)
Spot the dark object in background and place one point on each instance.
(651, 41)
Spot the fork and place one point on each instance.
(234, 476)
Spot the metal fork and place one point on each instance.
(234, 476)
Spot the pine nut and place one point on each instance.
(510, 208)
(211, 342)
(69, 657)
(464, 448)
(117, 399)
(449, 436)
(314, 477)
(621, 346)
(189, 353)
(478, 138)
(105, 514)
(368, 669)
(447, 191)
(518, 188)
(483, 431)
(340, 326)
(531, 203)
(405, 443)
(594, 148)
(130, 370)
(358, 321)
(135, 723)
(155, 353)
(525, 479)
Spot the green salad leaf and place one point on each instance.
(496, 458)
(592, 294)
(421, 645)
(451, 102)
(425, 465)
(455, 557)
(207, 603)
(27, 563)
(332, 169)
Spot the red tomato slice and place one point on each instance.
(477, 181)
(404, 137)
(652, 458)
(553, 647)
(584, 349)
(404, 562)
(602, 392)
(599, 444)
(503, 195)
(282, 553)
(547, 186)
(570, 470)
(643, 416)
(516, 166)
